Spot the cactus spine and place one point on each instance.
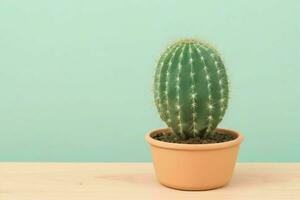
(191, 88)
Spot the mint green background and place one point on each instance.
(76, 76)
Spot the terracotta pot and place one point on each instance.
(194, 166)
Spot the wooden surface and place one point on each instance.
(101, 181)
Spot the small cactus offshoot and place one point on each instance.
(191, 88)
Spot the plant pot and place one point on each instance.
(194, 166)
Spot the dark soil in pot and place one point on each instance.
(217, 137)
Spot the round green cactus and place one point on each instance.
(191, 88)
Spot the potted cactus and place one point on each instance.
(191, 96)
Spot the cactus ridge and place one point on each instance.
(191, 88)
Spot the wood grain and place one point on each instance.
(101, 181)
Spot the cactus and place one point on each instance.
(191, 88)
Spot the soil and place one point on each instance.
(216, 137)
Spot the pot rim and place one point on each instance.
(167, 145)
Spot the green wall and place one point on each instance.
(76, 76)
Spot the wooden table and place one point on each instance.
(101, 181)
